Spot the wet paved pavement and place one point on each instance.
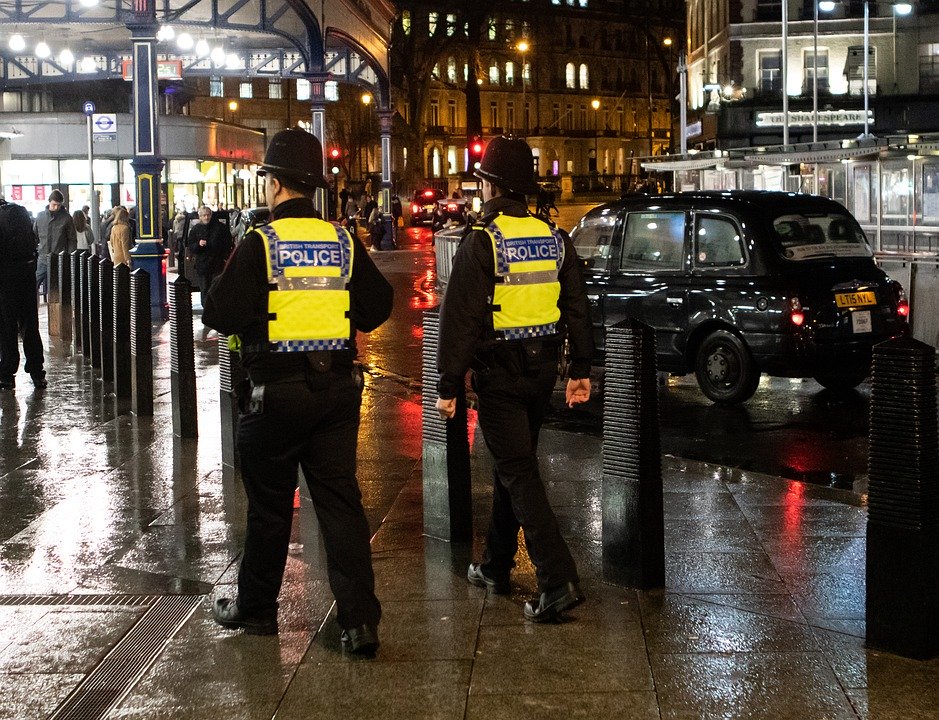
(115, 538)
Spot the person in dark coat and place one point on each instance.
(295, 293)
(507, 321)
(19, 308)
(210, 243)
(56, 232)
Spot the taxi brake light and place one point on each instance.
(428, 193)
(903, 303)
(451, 207)
(796, 316)
(415, 208)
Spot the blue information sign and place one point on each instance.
(89, 108)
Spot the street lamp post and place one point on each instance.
(522, 48)
(785, 69)
(900, 8)
(595, 104)
(815, 79)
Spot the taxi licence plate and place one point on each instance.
(854, 299)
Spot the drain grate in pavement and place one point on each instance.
(132, 600)
(120, 670)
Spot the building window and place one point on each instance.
(770, 79)
(510, 115)
(493, 115)
(465, 72)
(493, 74)
(584, 77)
(451, 25)
(216, 87)
(245, 89)
(406, 22)
(432, 23)
(854, 70)
(570, 77)
(808, 71)
(491, 34)
(766, 11)
(510, 73)
(929, 68)
(555, 115)
(434, 113)
(509, 30)
(275, 89)
(303, 89)
(583, 117)
(451, 69)
(569, 117)
(451, 113)
(526, 72)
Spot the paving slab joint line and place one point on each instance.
(127, 662)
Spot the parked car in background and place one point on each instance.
(742, 283)
(448, 211)
(248, 219)
(423, 204)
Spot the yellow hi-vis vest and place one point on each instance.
(528, 254)
(309, 264)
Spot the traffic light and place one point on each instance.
(475, 151)
(334, 160)
(334, 153)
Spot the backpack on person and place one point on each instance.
(17, 239)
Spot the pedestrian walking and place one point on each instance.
(84, 240)
(294, 294)
(121, 238)
(19, 304)
(55, 230)
(209, 244)
(515, 291)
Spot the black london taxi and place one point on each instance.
(741, 283)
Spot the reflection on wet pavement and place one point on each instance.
(762, 616)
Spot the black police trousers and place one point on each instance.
(19, 317)
(512, 406)
(312, 423)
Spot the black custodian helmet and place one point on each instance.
(509, 163)
(295, 155)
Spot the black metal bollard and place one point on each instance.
(75, 263)
(65, 299)
(182, 360)
(633, 520)
(448, 499)
(53, 296)
(903, 501)
(106, 317)
(85, 300)
(121, 349)
(141, 344)
(230, 375)
(93, 298)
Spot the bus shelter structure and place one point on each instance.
(890, 185)
(148, 40)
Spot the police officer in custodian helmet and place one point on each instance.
(514, 291)
(294, 293)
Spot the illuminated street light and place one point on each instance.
(233, 105)
(89, 3)
(667, 42)
(218, 56)
(166, 32)
(366, 98)
(17, 43)
(87, 65)
(202, 47)
(184, 41)
(523, 47)
(66, 57)
(42, 50)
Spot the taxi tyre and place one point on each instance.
(725, 369)
(842, 381)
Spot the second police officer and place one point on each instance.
(295, 292)
(514, 291)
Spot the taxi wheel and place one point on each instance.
(725, 369)
(842, 381)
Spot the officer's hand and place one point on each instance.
(578, 391)
(446, 408)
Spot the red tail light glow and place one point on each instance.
(451, 207)
(415, 208)
(428, 193)
(903, 303)
(796, 316)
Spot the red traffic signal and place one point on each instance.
(477, 148)
(334, 153)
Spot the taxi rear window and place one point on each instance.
(818, 236)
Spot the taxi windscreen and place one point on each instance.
(820, 236)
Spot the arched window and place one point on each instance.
(432, 23)
(406, 22)
(584, 77)
(492, 28)
(451, 69)
(493, 74)
(570, 76)
(510, 73)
